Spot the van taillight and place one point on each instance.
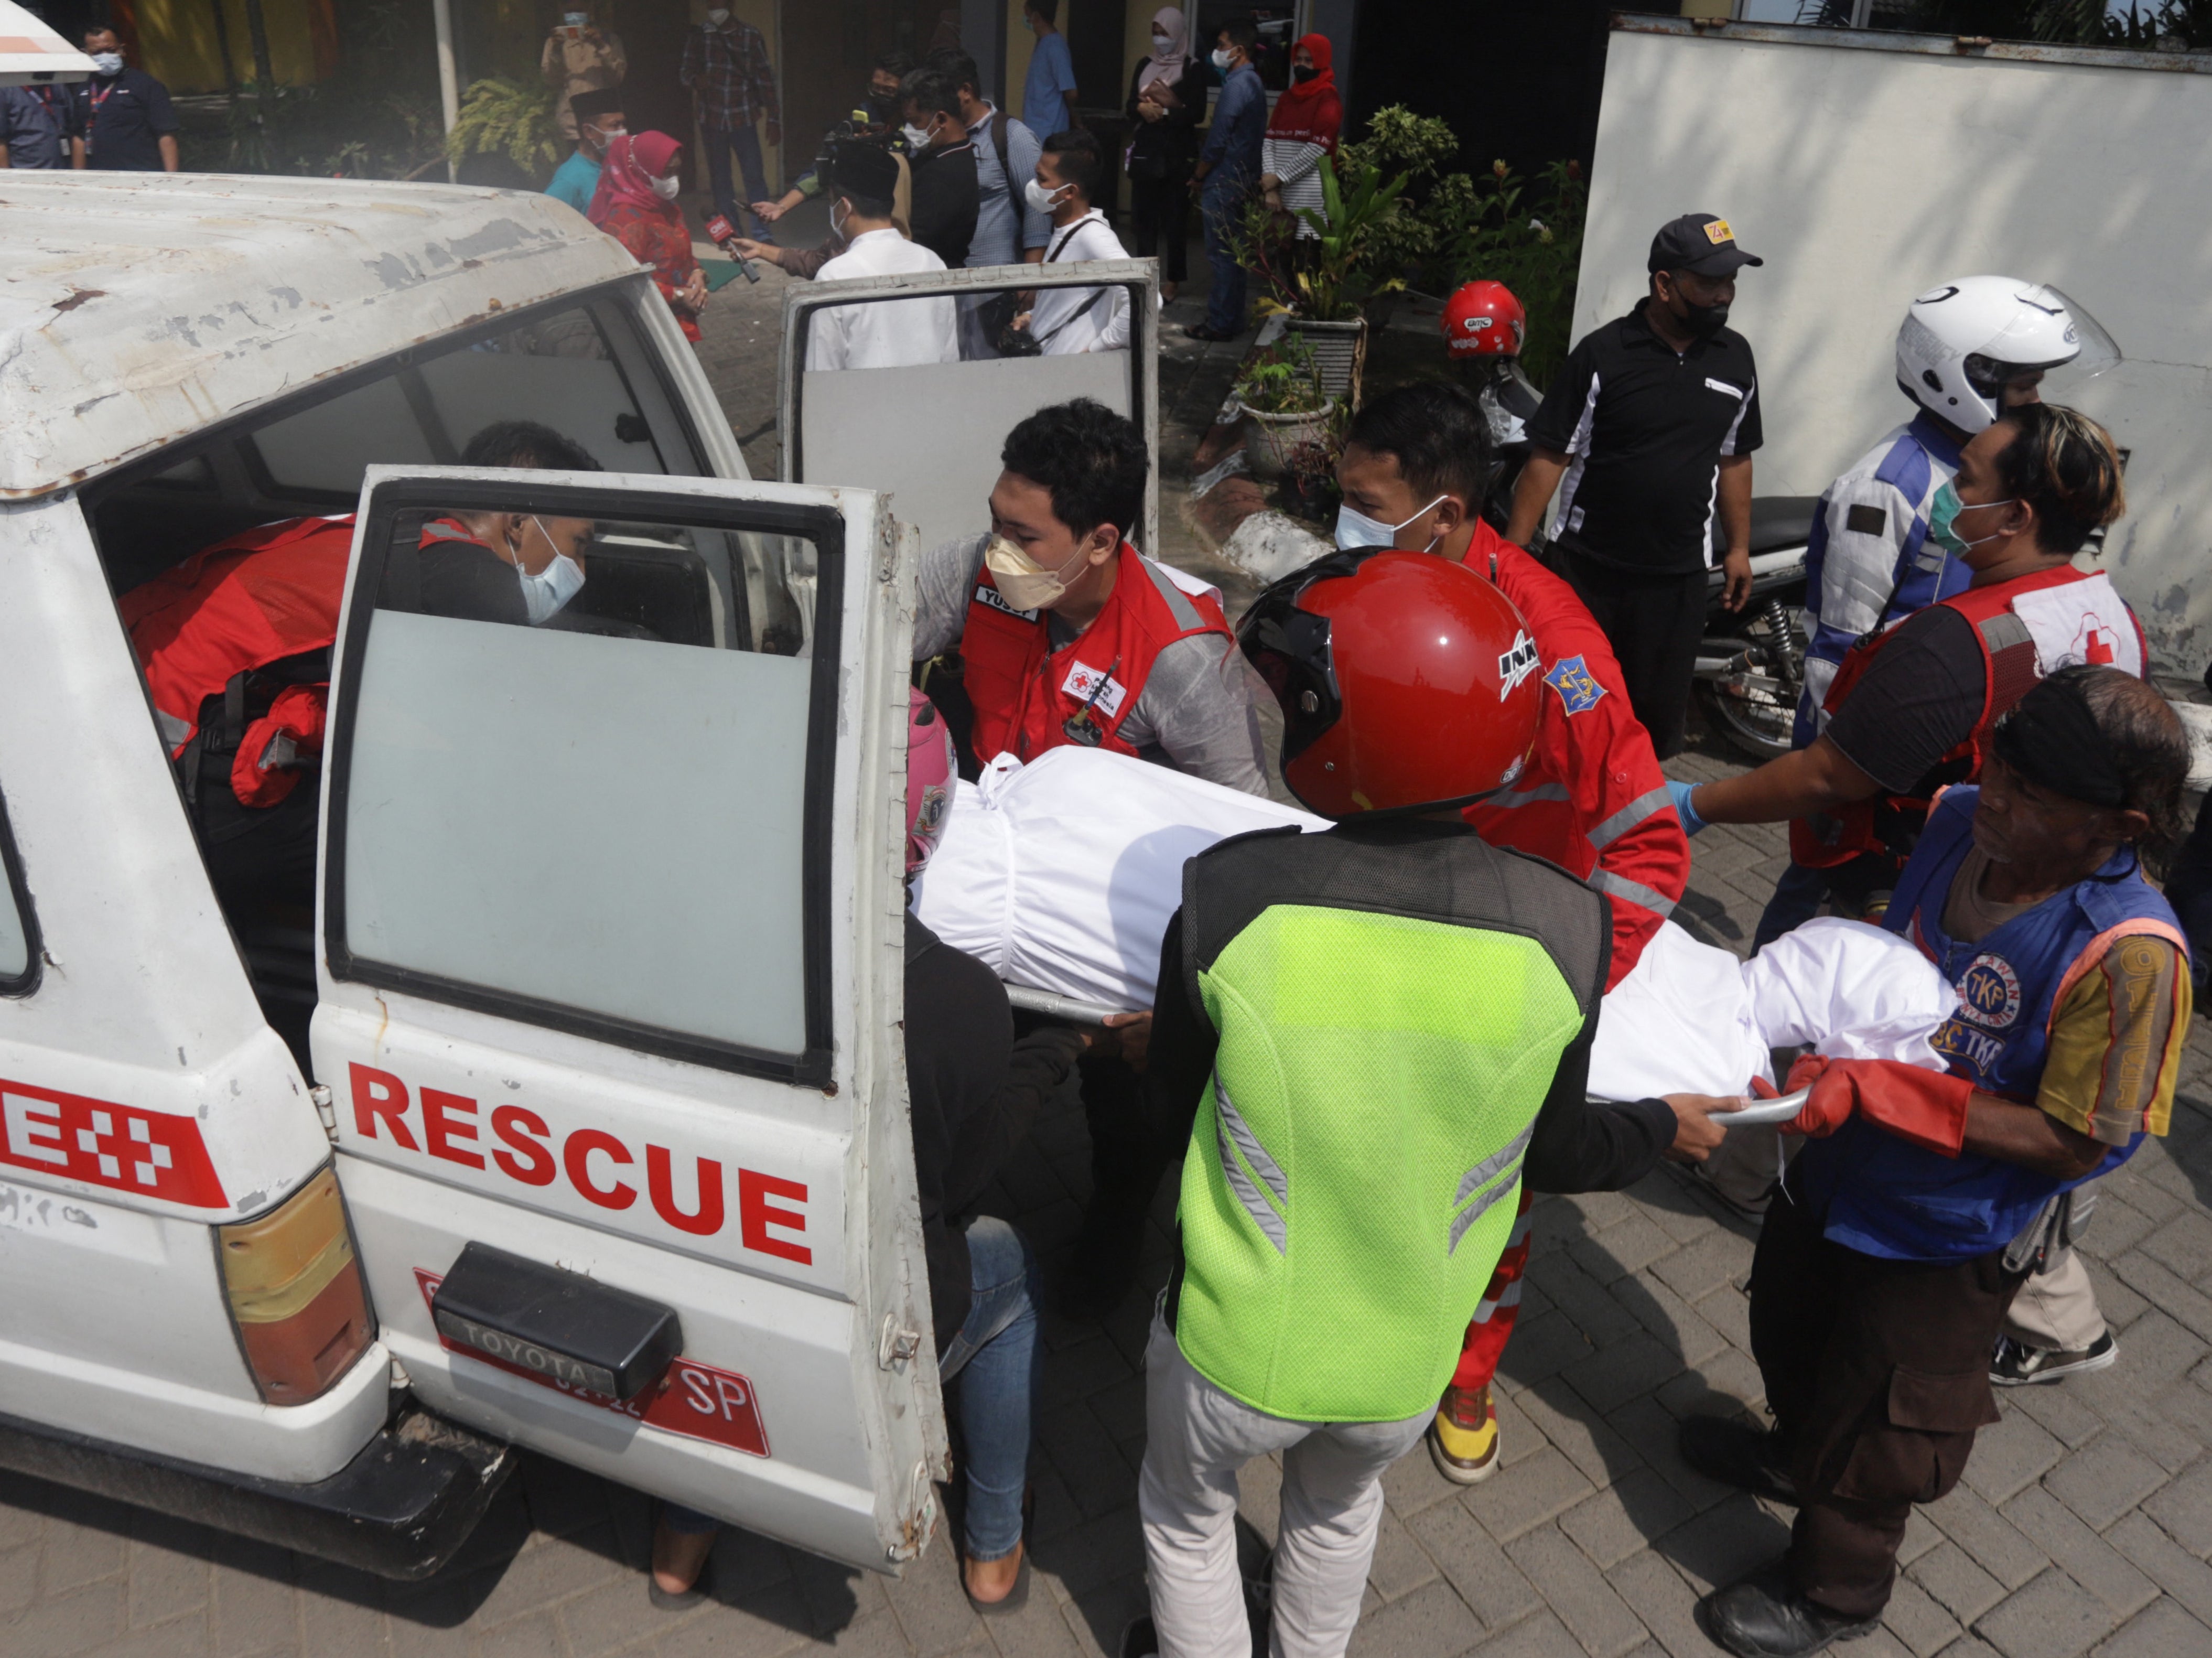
(296, 1293)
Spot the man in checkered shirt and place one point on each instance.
(732, 85)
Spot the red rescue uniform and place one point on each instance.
(230, 609)
(1029, 697)
(1593, 800)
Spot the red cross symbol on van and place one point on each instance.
(154, 1154)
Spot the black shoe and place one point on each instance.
(1140, 1639)
(1737, 1454)
(1103, 1267)
(1202, 332)
(1763, 1617)
(2016, 1365)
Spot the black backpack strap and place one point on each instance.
(999, 118)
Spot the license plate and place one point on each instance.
(695, 1400)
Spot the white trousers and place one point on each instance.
(1196, 1438)
(2057, 1308)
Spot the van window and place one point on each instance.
(558, 371)
(18, 939)
(595, 818)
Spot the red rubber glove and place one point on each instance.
(1927, 1108)
(277, 745)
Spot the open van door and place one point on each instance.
(610, 985)
(930, 433)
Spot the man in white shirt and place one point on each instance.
(882, 333)
(1065, 321)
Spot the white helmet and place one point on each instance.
(1963, 341)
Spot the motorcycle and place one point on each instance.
(1751, 663)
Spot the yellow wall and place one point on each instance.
(1021, 46)
(177, 42)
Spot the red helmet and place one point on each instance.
(1405, 680)
(1484, 319)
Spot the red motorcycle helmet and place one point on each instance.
(1483, 320)
(1405, 680)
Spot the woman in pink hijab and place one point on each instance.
(635, 204)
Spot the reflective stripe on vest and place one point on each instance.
(1026, 694)
(1346, 1192)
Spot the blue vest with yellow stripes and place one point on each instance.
(1886, 1197)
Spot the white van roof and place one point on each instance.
(32, 52)
(137, 308)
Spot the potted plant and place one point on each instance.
(1320, 284)
(1285, 405)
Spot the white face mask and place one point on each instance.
(545, 593)
(1160, 42)
(917, 138)
(719, 16)
(666, 188)
(575, 20)
(837, 223)
(1358, 530)
(1041, 197)
(107, 63)
(1021, 580)
(1222, 57)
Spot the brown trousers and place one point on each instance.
(1877, 1371)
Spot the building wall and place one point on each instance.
(176, 41)
(1873, 175)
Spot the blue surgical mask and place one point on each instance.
(107, 63)
(544, 595)
(1358, 530)
(1942, 514)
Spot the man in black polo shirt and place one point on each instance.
(1651, 424)
(122, 120)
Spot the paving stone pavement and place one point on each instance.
(2083, 1525)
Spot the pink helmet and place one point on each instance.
(933, 775)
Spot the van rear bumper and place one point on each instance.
(399, 1509)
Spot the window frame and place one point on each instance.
(386, 501)
(26, 916)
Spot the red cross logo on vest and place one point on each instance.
(2095, 644)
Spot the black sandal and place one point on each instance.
(1018, 1596)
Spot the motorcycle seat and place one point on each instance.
(1780, 521)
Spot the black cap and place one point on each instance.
(595, 101)
(863, 169)
(1701, 242)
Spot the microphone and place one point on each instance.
(722, 233)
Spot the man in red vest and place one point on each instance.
(1414, 473)
(235, 646)
(1066, 634)
(1911, 709)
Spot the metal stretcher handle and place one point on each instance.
(1779, 1110)
(1062, 1007)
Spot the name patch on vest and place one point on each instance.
(1516, 665)
(986, 594)
(1989, 992)
(1084, 682)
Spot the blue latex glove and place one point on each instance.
(1682, 792)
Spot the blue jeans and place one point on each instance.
(1221, 205)
(998, 1350)
(1798, 896)
(745, 143)
(1001, 1362)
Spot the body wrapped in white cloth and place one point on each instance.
(1061, 875)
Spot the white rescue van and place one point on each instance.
(573, 1115)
